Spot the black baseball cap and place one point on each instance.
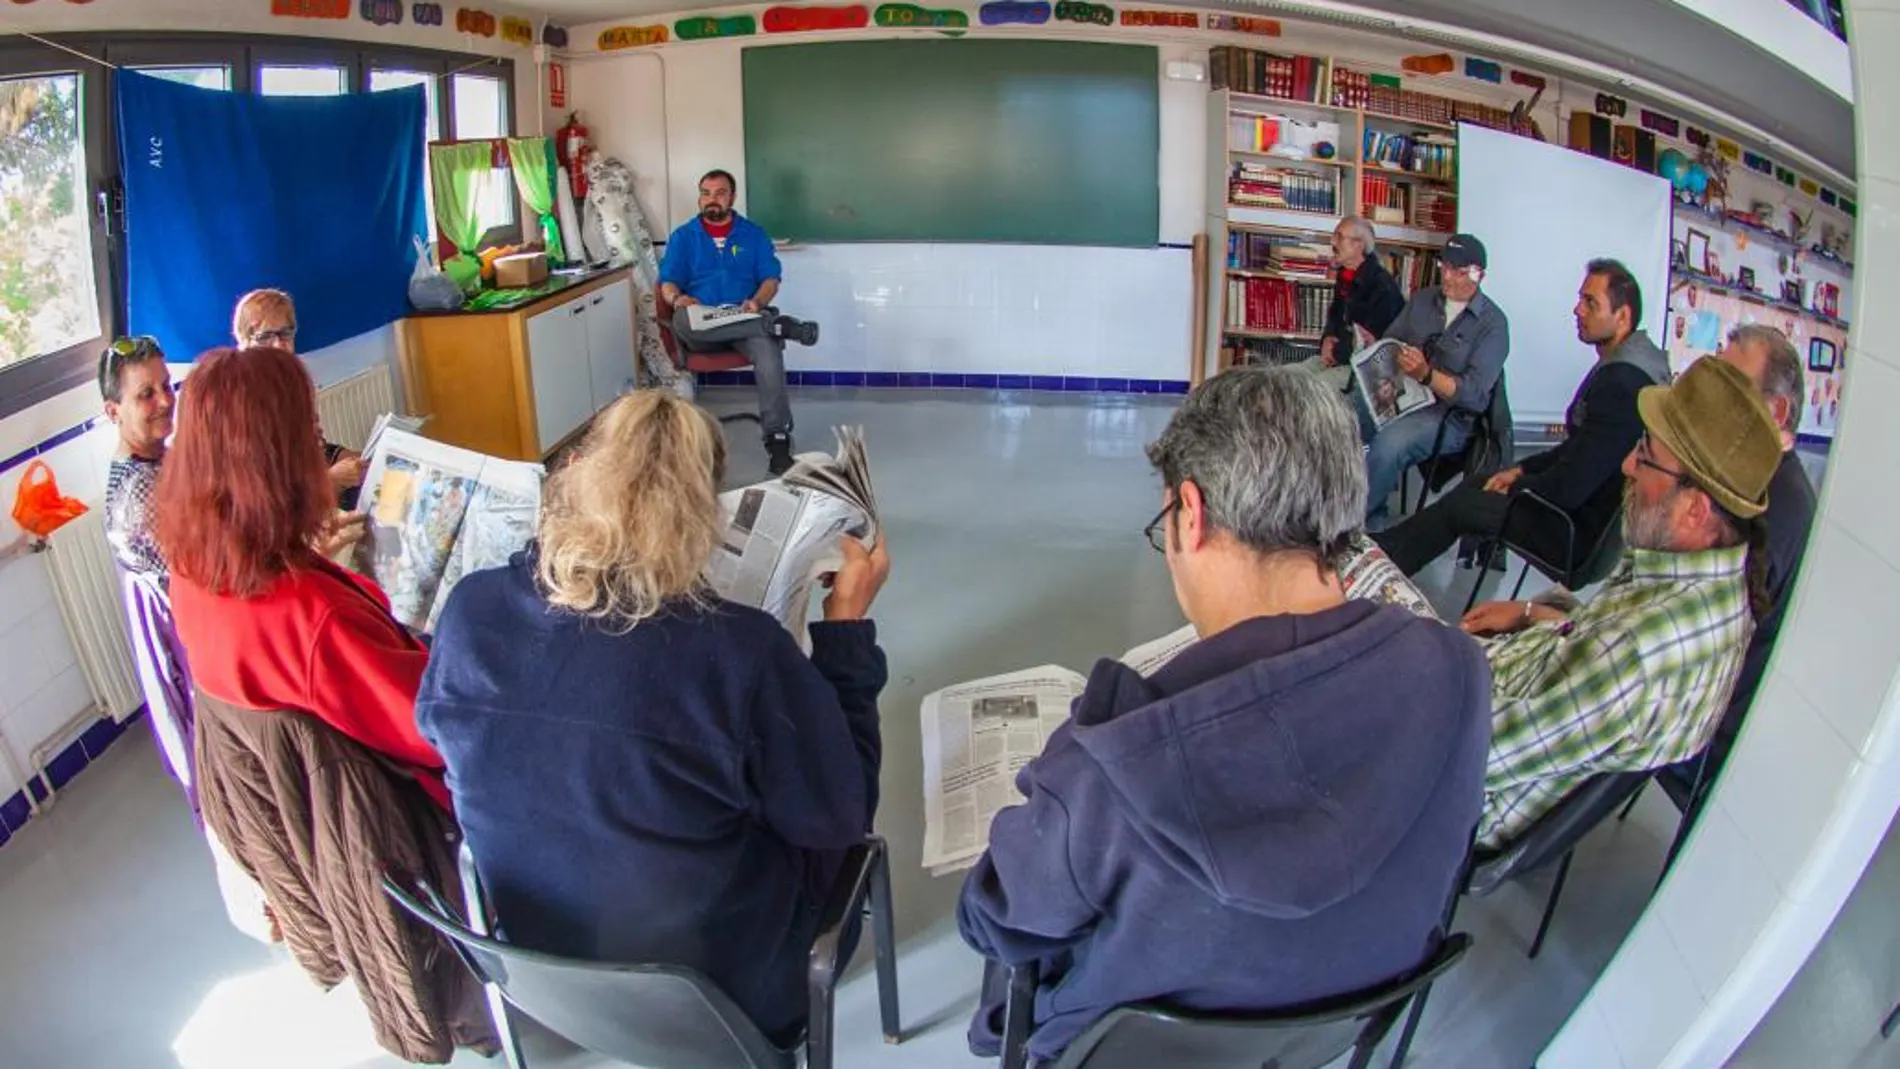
(1463, 250)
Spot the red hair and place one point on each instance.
(243, 490)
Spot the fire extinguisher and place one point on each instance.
(570, 150)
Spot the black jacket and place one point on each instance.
(1371, 300)
(1583, 473)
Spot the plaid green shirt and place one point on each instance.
(1635, 679)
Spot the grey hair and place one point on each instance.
(1359, 228)
(1276, 456)
(1782, 375)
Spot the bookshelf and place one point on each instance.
(1273, 200)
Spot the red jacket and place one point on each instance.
(321, 641)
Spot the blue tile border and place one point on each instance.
(47, 446)
(956, 380)
(91, 744)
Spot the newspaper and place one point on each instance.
(782, 535)
(1387, 392)
(978, 735)
(708, 316)
(437, 512)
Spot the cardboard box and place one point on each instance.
(521, 270)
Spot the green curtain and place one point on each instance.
(533, 160)
(453, 169)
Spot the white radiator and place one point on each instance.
(86, 586)
(350, 408)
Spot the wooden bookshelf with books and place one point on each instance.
(1296, 143)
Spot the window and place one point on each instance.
(300, 81)
(48, 299)
(481, 107)
(202, 77)
(380, 80)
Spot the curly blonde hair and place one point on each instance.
(629, 524)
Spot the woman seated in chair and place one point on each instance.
(647, 773)
(246, 518)
(268, 319)
(136, 387)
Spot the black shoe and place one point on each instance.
(778, 451)
(802, 331)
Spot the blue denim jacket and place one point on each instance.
(710, 275)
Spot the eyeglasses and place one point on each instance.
(137, 345)
(281, 335)
(1645, 456)
(1157, 536)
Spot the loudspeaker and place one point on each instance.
(1590, 133)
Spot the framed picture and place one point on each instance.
(1821, 354)
(1697, 247)
(1745, 277)
(1679, 253)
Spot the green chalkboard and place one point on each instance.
(1035, 142)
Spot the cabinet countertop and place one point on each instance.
(558, 286)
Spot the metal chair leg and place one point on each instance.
(1634, 798)
(1550, 905)
(504, 1028)
(820, 1028)
(1412, 1019)
(1491, 551)
(1523, 574)
(879, 907)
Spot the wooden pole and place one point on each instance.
(1197, 359)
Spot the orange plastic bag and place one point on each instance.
(38, 507)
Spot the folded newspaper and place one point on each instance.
(782, 535)
(436, 513)
(1387, 392)
(707, 316)
(977, 736)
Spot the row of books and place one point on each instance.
(1384, 201)
(1435, 208)
(1351, 88)
(1248, 70)
(1248, 251)
(1411, 268)
(1257, 185)
(1275, 304)
(1266, 352)
(1433, 157)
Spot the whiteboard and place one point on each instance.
(1543, 212)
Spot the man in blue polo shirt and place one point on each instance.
(723, 258)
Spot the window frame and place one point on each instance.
(48, 375)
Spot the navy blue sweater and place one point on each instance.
(1278, 816)
(679, 793)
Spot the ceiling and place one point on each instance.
(1658, 41)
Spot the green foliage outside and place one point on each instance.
(47, 296)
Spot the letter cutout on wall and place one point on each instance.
(1244, 24)
(383, 12)
(1436, 63)
(620, 37)
(311, 9)
(1527, 79)
(1083, 11)
(517, 31)
(789, 19)
(426, 14)
(475, 21)
(912, 15)
(554, 36)
(1013, 12)
(705, 27)
(1484, 70)
(1180, 20)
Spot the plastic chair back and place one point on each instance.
(1557, 832)
(659, 1016)
(1144, 1037)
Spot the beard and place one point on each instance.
(714, 213)
(1646, 525)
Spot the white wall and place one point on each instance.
(1815, 780)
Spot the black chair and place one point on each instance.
(1554, 837)
(1573, 573)
(665, 1016)
(1487, 449)
(1309, 1037)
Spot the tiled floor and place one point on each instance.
(1015, 523)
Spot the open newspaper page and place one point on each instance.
(416, 494)
(501, 519)
(976, 737)
(782, 535)
(1387, 392)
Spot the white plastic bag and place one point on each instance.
(429, 288)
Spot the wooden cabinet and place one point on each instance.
(518, 382)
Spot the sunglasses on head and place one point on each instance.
(137, 345)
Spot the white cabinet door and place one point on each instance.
(559, 369)
(610, 341)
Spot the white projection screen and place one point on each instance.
(1542, 212)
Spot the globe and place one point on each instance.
(1696, 181)
(1673, 166)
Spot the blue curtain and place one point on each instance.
(226, 192)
